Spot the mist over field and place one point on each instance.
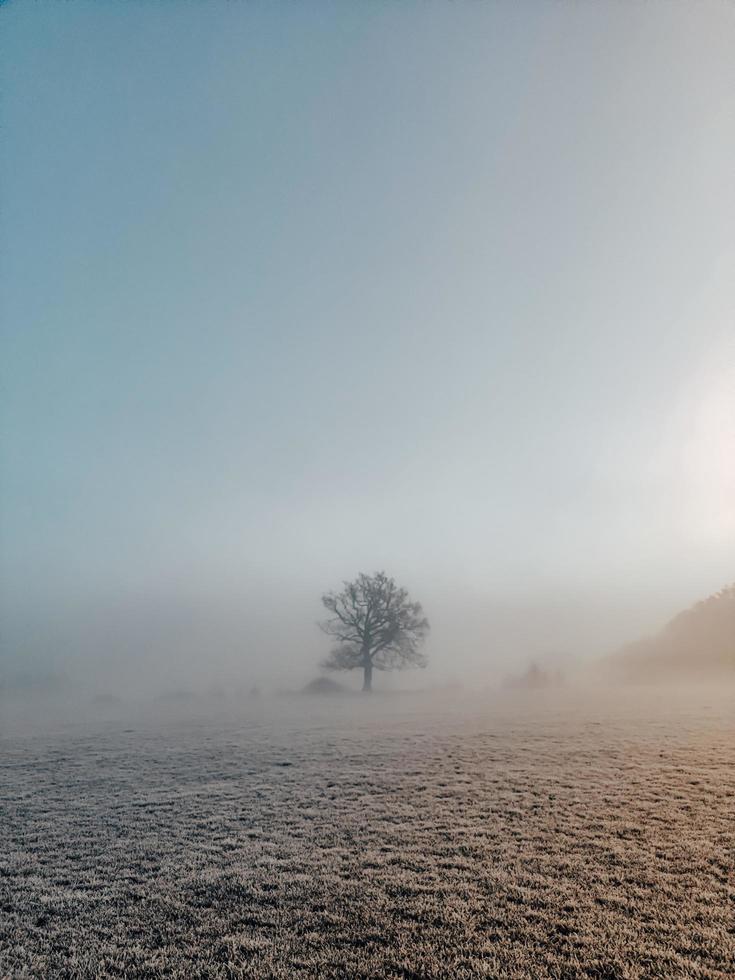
(367, 490)
(153, 645)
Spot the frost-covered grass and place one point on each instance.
(376, 838)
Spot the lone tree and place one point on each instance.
(376, 626)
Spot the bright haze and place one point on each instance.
(293, 291)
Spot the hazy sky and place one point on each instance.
(295, 290)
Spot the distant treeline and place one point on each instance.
(700, 640)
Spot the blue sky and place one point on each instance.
(293, 290)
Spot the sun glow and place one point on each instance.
(708, 452)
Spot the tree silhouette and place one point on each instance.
(376, 626)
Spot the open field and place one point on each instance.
(383, 837)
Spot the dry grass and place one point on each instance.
(373, 840)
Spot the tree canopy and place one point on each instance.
(376, 626)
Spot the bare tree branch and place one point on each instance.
(376, 626)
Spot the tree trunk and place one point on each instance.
(367, 684)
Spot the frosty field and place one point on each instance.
(373, 837)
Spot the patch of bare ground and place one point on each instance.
(367, 840)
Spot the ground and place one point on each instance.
(407, 837)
